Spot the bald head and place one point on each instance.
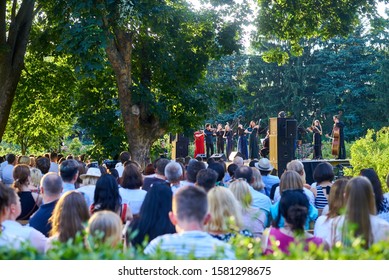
(51, 184)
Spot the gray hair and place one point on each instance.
(173, 171)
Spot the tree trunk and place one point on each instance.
(142, 128)
(12, 51)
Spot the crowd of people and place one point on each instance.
(186, 207)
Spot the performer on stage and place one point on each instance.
(339, 125)
(228, 136)
(242, 142)
(252, 130)
(199, 143)
(317, 133)
(220, 139)
(209, 133)
(265, 145)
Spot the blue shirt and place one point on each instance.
(312, 214)
(269, 181)
(40, 220)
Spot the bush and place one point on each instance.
(371, 151)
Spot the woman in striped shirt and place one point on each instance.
(323, 175)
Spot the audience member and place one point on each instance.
(257, 184)
(89, 181)
(381, 200)
(36, 177)
(238, 161)
(220, 170)
(193, 168)
(104, 227)
(12, 233)
(107, 197)
(43, 164)
(7, 171)
(189, 214)
(173, 173)
(226, 218)
(291, 180)
(294, 207)
(53, 162)
(153, 219)
(68, 170)
(323, 176)
(253, 218)
(269, 180)
(159, 174)
(130, 190)
(29, 201)
(206, 178)
(123, 157)
(51, 189)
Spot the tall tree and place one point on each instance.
(15, 24)
(158, 52)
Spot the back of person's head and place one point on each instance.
(253, 162)
(370, 174)
(21, 174)
(43, 163)
(297, 166)
(68, 169)
(52, 184)
(69, 216)
(190, 204)
(294, 207)
(106, 227)
(114, 173)
(360, 205)
(53, 156)
(106, 196)
(241, 190)
(211, 161)
(206, 178)
(153, 218)
(187, 159)
(11, 158)
(336, 198)
(124, 156)
(173, 172)
(224, 210)
(161, 165)
(132, 177)
(149, 169)
(193, 168)
(290, 180)
(36, 176)
(33, 161)
(8, 196)
(244, 172)
(238, 161)
(219, 168)
(257, 183)
(24, 160)
(323, 172)
(231, 169)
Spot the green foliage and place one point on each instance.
(372, 151)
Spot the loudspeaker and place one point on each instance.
(219, 157)
(283, 136)
(180, 146)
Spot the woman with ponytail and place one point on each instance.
(22, 184)
(293, 206)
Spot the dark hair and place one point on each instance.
(43, 164)
(206, 178)
(211, 161)
(193, 168)
(161, 164)
(231, 169)
(191, 204)
(107, 195)
(11, 158)
(124, 156)
(219, 168)
(377, 188)
(293, 207)
(323, 172)
(244, 172)
(131, 177)
(153, 218)
(253, 162)
(149, 169)
(68, 169)
(53, 155)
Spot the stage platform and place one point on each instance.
(338, 164)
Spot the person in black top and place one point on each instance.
(208, 132)
(342, 148)
(220, 139)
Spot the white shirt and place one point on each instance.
(89, 193)
(133, 197)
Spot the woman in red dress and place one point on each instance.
(199, 142)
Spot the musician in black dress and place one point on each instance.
(252, 130)
(220, 139)
(317, 133)
(228, 136)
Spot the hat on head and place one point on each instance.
(264, 165)
(92, 172)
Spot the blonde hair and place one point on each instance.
(336, 198)
(359, 206)
(24, 160)
(36, 176)
(257, 183)
(90, 180)
(291, 180)
(241, 190)
(69, 215)
(297, 166)
(109, 224)
(223, 206)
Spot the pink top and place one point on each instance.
(285, 240)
